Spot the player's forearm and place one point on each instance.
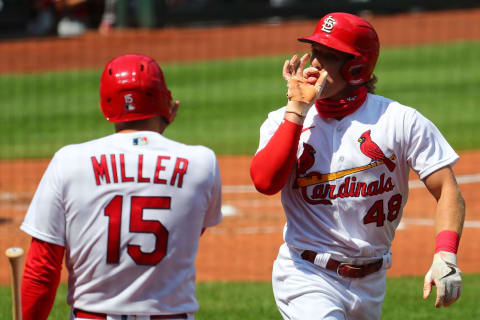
(271, 166)
(40, 280)
(450, 211)
(444, 272)
(37, 298)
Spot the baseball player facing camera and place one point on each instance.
(341, 156)
(126, 210)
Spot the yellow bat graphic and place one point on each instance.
(321, 178)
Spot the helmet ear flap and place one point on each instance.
(355, 71)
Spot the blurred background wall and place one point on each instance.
(24, 18)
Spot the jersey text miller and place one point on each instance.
(111, 169)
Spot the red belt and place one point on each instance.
(94, 315)
(344, 269)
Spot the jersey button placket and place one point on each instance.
(336, 164)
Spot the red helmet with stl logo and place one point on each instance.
(353, 35)
(133, 87)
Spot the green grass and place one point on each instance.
(223, 103)
(404, 300)
(441, 82)
(253, 301)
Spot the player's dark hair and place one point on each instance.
(370, 84)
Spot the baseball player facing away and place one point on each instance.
(342, 166)
(127, 210)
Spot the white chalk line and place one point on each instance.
(276, 229)
(234, 189)
(413, 184)
(231, 210)
(246, 230)
(238, 189)
(431, 222)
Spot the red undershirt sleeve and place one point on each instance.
(41, 277)
(271, 166)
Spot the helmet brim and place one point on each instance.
(334, 44)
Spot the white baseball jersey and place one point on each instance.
(347, 195)
(129, 208)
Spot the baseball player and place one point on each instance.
(126, 210)
(342, 167)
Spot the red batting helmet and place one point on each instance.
(132, 87)
(350, 34)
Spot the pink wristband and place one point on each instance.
(447, 240)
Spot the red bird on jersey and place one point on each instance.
(373, 151)
(306, 160)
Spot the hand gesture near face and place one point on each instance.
(304, 85)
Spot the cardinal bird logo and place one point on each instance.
(373, 151)
(306, 160)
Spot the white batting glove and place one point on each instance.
(446, 276)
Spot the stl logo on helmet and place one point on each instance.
(328, 24)
(128, 102)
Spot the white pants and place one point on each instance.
(191, 316)
(304, 291)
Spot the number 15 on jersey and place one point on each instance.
(137, 224)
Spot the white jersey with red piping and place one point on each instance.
(347, 192)
(130, 209)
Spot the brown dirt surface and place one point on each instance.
(92, 50)
(244, 245)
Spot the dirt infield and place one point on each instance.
(245, 244)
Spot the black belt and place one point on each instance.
(94, 315)
(344, 269)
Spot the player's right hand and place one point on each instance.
(303, 87)
(446, 276)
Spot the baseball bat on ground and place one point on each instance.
(14, 256)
